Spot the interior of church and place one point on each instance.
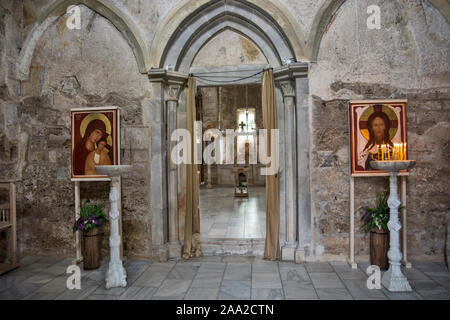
(224, 149)
(236, 108)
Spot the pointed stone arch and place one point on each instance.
(192, 24)
(117, 16)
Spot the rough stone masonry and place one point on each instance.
(46, 69)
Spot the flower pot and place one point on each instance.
(379, 246)
(91, 249)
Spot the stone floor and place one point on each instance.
(225, 217)
(230, 277)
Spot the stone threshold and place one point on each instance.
(218, 247)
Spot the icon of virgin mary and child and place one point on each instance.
(92, 149)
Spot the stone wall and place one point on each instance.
(90, 67)
(95, 66)
(412, 63)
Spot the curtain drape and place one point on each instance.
(192, 223)
(272, 244)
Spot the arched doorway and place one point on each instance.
(177, 61)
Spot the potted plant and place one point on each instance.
(91, 219)
(375, 221)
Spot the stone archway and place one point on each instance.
(169, 78)
(118, 17)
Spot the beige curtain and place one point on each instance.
(192, 223)
(272, 245)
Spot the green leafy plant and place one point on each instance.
(91, 217)
(377, 217)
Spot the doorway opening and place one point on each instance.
(232, 195)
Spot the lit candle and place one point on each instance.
(389, 151)
(379, 152)
(401, 150)
(405, 152)
(382, 152)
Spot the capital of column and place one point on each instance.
(291, 71)
(287, 88)
(285, 77)
(173, 82)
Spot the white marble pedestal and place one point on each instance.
(116, 275)
(393, 279)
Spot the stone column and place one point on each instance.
(293, 82)
(303, 170)
(172, 83)
(171, 94)
(288, 90)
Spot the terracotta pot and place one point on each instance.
(91, 249)
(379, 246)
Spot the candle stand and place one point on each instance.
(116, 275)
(393, 279)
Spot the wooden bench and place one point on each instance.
(8, 224)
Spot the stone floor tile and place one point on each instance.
(51, 260)
(57, 285)
(402, 295)
(211, 259)
(151, 278)
(93, 278)
(7, 281)
(326, 280)
(40, 278)
(297, 273)
(76, 294)
(270, 280)
(138, 293)
(429, 266)
(235, 290)
(238, 271)
(41, 296)
(210, 283)
(238, 259)
(259, 267)
(296, 290)
(318, 267)
(443, 278)
(167, 298)
(101, 290)
(358, 289)
(19, 291)
(183, 272)
(24, 261)
(173, 288)
(202, 293)
(212, 267)
(30, 270)
(333, 294)
(347, 273)
(102, 297)
(56, 269)
(414, 274)
(423, 284)
(135, 271)
(430, 289)
(267, 294)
